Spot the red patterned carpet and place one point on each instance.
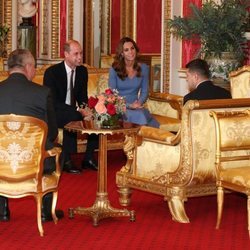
(153, 229)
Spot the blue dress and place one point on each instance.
(133, 89)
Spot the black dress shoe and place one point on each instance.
(70, 168)
(4, 209)
(59, 215)
(90, 164)
(5, 217)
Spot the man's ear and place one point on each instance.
(197, 76)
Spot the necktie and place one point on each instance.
(72, 97)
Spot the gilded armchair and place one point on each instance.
(177, 165)
(232, 156)
(240, 82)
(22, 153)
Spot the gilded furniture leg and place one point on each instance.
(53, 208)
(129, 145)
(124, 196)
(220, 200)
(176, 199)
(248, 214)
(39, 214)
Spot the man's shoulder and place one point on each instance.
(81, 68)
(55, 67)
(39, 88)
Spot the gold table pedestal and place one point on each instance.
(101, 208)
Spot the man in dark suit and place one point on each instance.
(68, 83)
(19, 95)
(200, 87)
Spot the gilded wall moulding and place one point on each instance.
(6, 18)
(128, 18)
(165, 65)
(89, 35)
(55, 29)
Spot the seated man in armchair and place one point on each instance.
(199, 84)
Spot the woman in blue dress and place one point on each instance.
(131, 79)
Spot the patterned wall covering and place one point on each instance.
(189, 49)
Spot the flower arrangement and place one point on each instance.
(107, 107)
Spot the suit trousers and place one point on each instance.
(70, 145)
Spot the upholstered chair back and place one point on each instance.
(22, 154)
(22, 141)
(240, 82)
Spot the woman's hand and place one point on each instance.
(85, 112)
(136, 105)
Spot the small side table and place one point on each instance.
(101, 207)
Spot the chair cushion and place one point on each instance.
(238, 176)
(156, 134)
(13, 189)
(168, 123)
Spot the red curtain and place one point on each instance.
(149, 26)
(63, 24)
(115, 25)
(189, 49)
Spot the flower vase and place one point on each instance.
(111, 123)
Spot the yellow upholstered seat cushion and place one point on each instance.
(19, 188)
(156, 134)
(239, 176)
(168, 123)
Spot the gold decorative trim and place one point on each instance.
(128, 15)
(89, 35)
(70, 19)
(55, 29)
(105, 17)
(5, 18)
(245, 68)
(44, 36)
(166, 47)
(183, 174)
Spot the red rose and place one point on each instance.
(108, 92)
(111, 109)
(92, 102)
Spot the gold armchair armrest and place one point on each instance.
(56, 151)
(175, 101)
(159, 135)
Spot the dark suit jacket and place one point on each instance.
(55, 78)
(20, 96)
(206, 91)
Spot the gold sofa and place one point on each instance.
(181, 165)
(240, 82)
(166, 111)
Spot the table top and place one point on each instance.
(88, 127)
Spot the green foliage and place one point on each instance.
(220, 27)
(4, 29)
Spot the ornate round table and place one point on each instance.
(101, 207)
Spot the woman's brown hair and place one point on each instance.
(119, 63)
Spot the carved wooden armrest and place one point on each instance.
(56, 151)
(175, 101)
(159, 135)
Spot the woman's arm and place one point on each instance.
(144, 85)
(112, 79)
